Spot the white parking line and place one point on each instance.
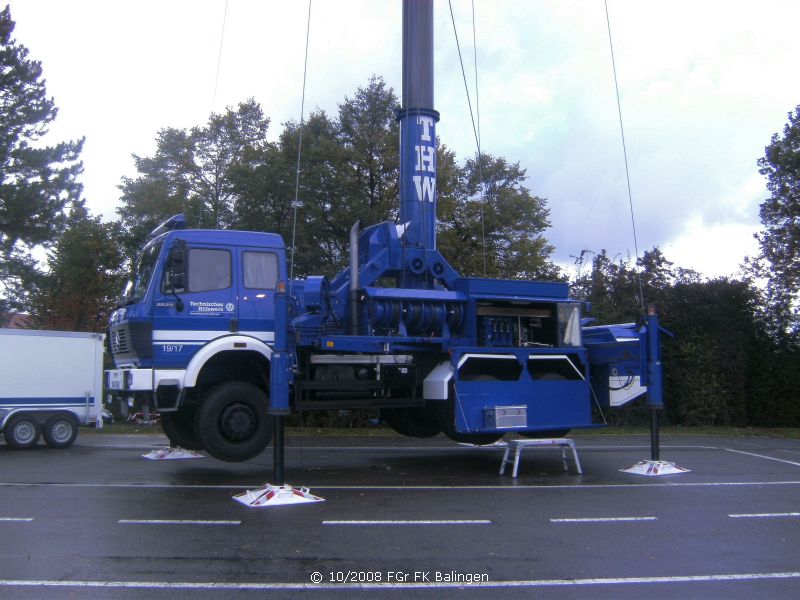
(765, 515)
(412, 522)
(780, 460)
(603, 519)
(16, 519)
(174, 522)
(525, 583)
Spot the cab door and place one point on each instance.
(259, 272)
(205, 308)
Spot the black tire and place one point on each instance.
(417, 421)
(232, 421)
(60, 431)
(22, 432)
(179, 428)
(447, 420)
(543, 435)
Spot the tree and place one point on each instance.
(349, 171)
(193, 172)
(228, 175)
(83, 277)
(36, 181)
(780, 216)
(498, 235)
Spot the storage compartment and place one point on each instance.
(505, 417)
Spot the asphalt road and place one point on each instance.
(403, 518)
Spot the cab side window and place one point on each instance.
(260, 270)
(209, 270)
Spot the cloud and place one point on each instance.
(703, 86)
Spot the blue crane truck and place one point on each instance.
(213, 329)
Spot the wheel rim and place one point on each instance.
(61, 431)
(238, 422)
(24, 432)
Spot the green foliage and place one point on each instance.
(721, 367)
(227, 175)
(499, 234)
(779, 261)
(195, 172)
(36, 181)
(83, 278)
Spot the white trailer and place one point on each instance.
(52, 382)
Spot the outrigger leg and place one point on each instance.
(280, 493)
(651, 377)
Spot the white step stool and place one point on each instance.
(518, 446)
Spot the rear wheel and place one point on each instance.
(232, 422)
(417, 421)
(179, 428)
(550, 433)
(22, 432)
(60, 431)
(447, 419)
(543, 435)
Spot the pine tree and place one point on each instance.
(37, 181)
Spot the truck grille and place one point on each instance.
(131, 341)
(120, 340)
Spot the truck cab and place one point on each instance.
(199, 311)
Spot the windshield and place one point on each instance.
(136, 289)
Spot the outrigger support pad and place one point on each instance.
(276, 495)
(652, 468)
(172, 453)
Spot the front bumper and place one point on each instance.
(165, 386)
(129, 380)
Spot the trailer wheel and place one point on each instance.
(60, 431)
(179, 428)
(22, 432)
(418, 421)
(232, 421)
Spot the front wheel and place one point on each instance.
(22, 432)
(179, 428)
(60, 431)
(232, 422)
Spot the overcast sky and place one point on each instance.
(703, 85)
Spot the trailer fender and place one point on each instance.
(228, 343)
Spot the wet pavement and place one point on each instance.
(404, 518)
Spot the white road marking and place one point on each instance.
(603, 519)
(394, 449)
(413, 522)
(16, 519)
(509, 487)
(174, 522)
(780, 460)
(765, 515)
(525, 583)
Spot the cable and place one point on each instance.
(478, 135)
(299, 149)
(474, 126)
(219, 57)
(625, 155)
